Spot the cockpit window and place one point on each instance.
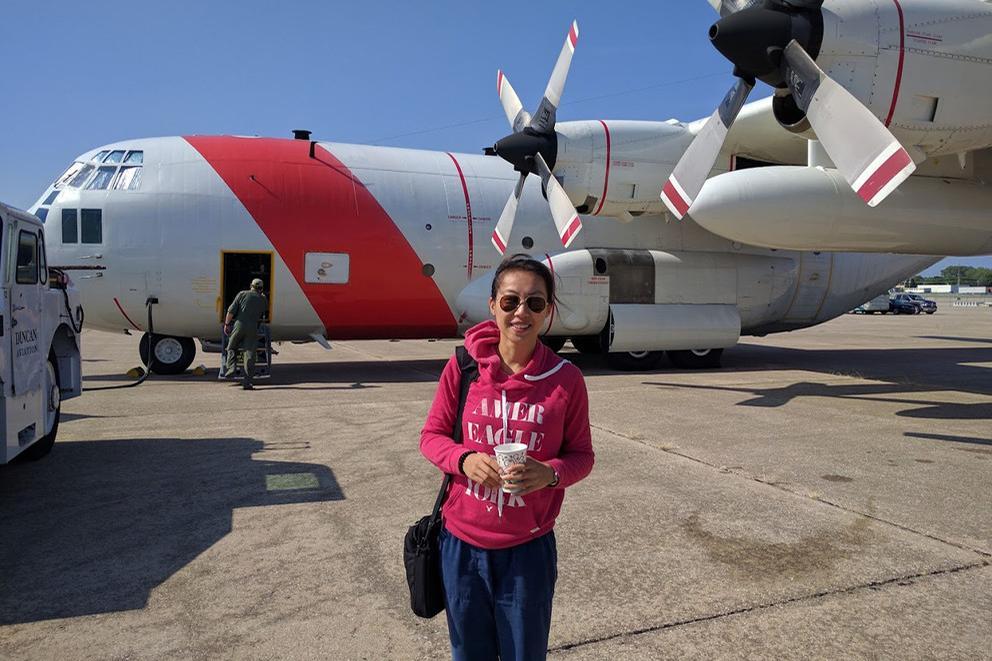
(135, 157)
(68, 174)
(101, 181)
(99, 157)
(81, 177)
(129, 178)
(116, 156)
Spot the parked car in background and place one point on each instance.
(878, 304)
(926, 305)
(911, 304)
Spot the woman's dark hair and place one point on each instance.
(522, 262)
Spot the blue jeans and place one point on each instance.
(498, 603)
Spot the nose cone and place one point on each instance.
(752, 39)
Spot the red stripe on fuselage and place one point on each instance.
(305, 204)
(118, 304)
(902, 60)
(606, 178)
(468, 213)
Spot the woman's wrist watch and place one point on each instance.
(554, 482)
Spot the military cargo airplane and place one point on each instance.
(375, 242)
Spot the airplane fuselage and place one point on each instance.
(376, 242)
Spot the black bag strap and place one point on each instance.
(469, 373)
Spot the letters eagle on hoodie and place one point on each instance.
(547, 408)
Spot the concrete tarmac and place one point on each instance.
(825, 494)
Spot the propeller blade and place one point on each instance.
(515, 113)
(566, 219)
(727, 7)
(501, 235)
(864, 151)
(690, 173)
(544, 120)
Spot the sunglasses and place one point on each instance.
(510, 302)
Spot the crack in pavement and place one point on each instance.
(739, 611)
(899, 580)
(780, 487)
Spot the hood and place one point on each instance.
(481, 342)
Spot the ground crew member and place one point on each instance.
(245, 313)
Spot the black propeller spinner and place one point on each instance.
(754, 39)
(519, 149)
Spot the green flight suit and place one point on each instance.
(246, 311)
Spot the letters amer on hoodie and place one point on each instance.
(547, 409)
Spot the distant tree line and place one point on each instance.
(969, 276)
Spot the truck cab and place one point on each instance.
(40, 324)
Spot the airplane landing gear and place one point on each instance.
(632, 361)
(696, 359)
(172, 355)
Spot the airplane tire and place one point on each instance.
(53, 411)
(172, 354)
(633, 361)
(696, 359)
(555, 343)
(588, 344)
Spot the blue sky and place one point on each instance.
(410, 74)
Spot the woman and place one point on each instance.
(498, 554)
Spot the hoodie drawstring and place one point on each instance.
(499, 503)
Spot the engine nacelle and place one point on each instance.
(617, 168)
(922, 67)
(655, 300)
(925, 216)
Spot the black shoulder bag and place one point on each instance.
(421, 552)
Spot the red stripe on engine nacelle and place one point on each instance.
(305, 204)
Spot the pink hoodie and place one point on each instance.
(547, 408)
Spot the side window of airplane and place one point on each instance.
(27, 258)
(70, 226)
(92, 226)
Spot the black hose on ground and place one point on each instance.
(151, 355)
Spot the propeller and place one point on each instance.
(532, 148)
(776, 41)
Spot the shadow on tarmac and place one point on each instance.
(900, 371)
(904, 370)
(97, 525)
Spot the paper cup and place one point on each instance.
(507, 455)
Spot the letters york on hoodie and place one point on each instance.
(485, 427)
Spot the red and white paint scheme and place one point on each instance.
(377, 242)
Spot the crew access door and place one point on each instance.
(239, 269)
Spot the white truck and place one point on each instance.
(878, 304)
(40, 322)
